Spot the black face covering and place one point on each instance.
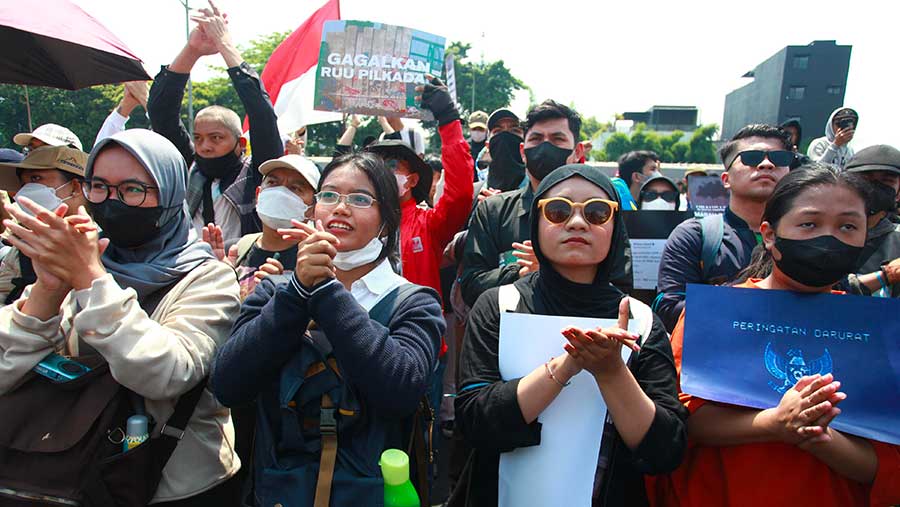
(224, 168)
(542, 159)
(126, 226)
(882, 198)
(219, 167)
(817, 262)
(507, 168)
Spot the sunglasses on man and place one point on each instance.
(752, 158)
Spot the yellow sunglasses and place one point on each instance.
(558, 210)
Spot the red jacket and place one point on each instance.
(424, 233)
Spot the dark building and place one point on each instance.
(666, 118)
(805, 83)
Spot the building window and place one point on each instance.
(801, 62)
(834, 90)
(797, 93)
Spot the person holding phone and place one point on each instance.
(835, 148)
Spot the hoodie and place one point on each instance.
(823, 149)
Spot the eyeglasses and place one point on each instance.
(650, 195)
(752, 158)
(558, 210)
(132, 193)
(357, 200)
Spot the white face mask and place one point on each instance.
(401, 183)
(345, 261)
(276, 206)
(658, 204)
(42, 195)
(478, 135)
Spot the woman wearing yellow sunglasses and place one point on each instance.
(578, 235)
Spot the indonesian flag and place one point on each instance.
(290, 73)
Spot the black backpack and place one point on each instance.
(61, 443)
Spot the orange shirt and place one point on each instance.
(768, 474)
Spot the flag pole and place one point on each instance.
(28, 108)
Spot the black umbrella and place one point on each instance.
(55, 43)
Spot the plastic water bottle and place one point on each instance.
(398, 490)
(136, 432)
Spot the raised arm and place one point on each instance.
(167, 92)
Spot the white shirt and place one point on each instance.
(378, 283)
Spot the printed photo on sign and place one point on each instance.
(373, 68)
(707, 195)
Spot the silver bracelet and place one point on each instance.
(552, 376)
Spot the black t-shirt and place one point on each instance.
(256, 257)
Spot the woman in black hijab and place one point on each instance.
(577, 235)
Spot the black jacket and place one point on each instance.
(488, 413)
(680, 262)
(164, 109)
(497, 223)
(882, 245)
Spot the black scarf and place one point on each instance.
(225, 169)
(548, 292)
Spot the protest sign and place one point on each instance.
(450, 73)
(373, 68)
(647, 233)
(748, 346)
(563, 465)
(707, 195)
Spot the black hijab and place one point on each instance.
(547, 291)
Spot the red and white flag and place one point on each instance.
(290, 73)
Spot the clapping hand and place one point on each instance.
(599, 351)
(315, 253)
(65, 250)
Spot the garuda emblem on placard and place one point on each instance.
(789, 369)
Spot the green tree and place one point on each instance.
(81, 111)
(591, 127)
(617, 145)
(702, 149)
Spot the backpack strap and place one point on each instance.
(244, 245)
(508, 298)
(328, 457)
(712, 230)
(381, 313)
(174, 427)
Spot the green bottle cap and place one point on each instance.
(394, 467)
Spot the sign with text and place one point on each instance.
(373, 68)
(647, 233)
(748, 346)
(707, 195)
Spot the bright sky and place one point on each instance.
(606, 57)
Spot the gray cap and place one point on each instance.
(880, 157)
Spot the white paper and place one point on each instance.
(559, 471)
(645, 257)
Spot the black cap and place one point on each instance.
(880, 157)
(499, 115)
(399, 150)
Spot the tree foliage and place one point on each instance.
(83, 111)
(670, 148)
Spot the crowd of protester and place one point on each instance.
(280, 325)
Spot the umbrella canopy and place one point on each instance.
(55, 43)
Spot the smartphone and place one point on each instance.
(847, 123)
(60, 369)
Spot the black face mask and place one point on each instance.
(544, 158)
(817, 262)
(126, 226)
(507, 168)
(219, 167)
(882, 198)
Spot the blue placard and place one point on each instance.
(747, 346)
